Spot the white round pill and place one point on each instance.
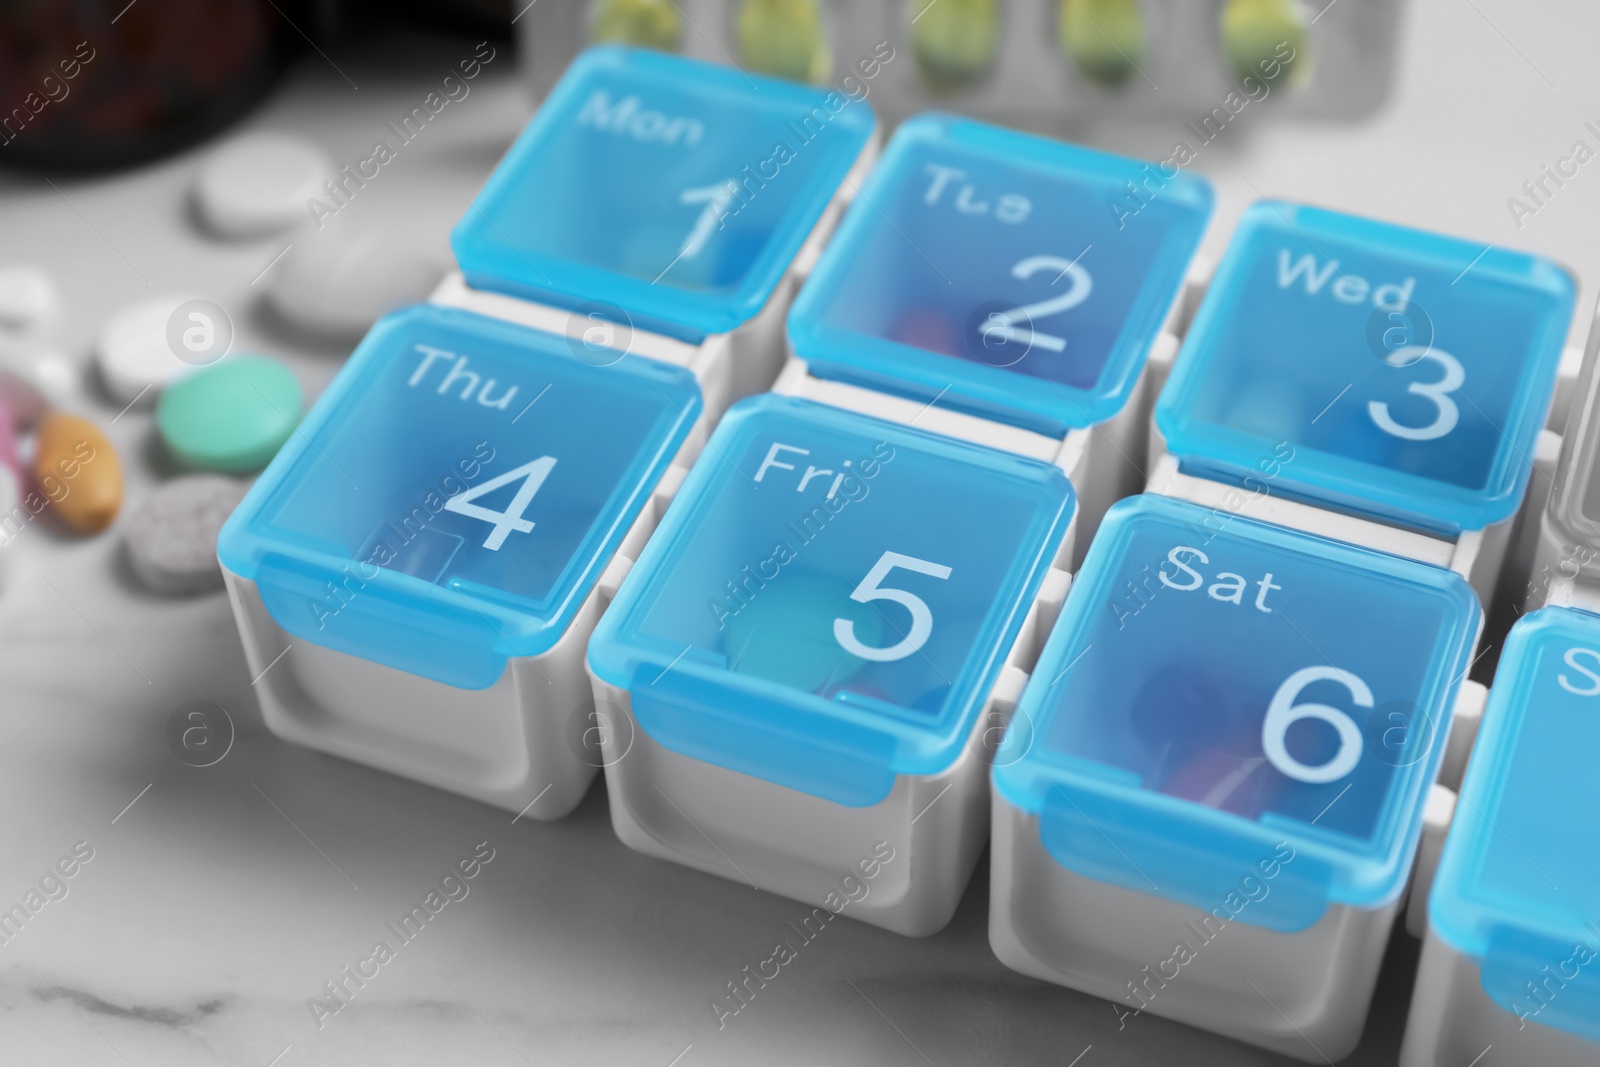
(339, 281)
(28, 299)
(171, 536)
(133, 353)
(259, 184)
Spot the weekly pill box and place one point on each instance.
(1208, 800)
(659, 197)
(1410, 373)
(1512, 953)
(415, 574)
(809, 654)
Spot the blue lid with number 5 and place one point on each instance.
(831, 597)
(1410, 372)
(1518, 888)
(448, 503)
(1008, 275)
(674, 190)
(1217, 687)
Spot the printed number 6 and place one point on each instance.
(1283, 712)
(1003, 324)
(844, 630)
(1454, 376)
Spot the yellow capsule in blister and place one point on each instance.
(954, 40)
(1104, 38)
(1266, 39)
(647, 23)
(785, 38)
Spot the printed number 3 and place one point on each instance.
(844, 630)
(504, 522)
(1283, 713)
(1454, 376)
(1003, 324)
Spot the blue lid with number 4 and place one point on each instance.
(1008, 275)
(830, 599)
(448, 503)
(1518, 887)
(1411, 372)
(674, 190)
(1217, 687)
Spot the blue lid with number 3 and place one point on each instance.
(1410, 372)
(447, 504)
(1217, 686)
(1007, 275)
(830, 599)
(674, 190)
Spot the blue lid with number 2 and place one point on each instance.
(448, 503)
(674, 190)
(1216, 687)
(831, 597)
(1004, 274)
(1411, 372)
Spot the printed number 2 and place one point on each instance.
(504, 522)
(1438, 392)
(1003, 324)
(1283, 712)
(844, 630)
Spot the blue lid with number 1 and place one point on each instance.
(448, 503)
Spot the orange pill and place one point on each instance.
(77, 471)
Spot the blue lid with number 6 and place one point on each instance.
(1518, 888)
(1008, 275)
(1411, 372)
(448, 503)
(1216, 687)
(674, 190)
(831, 597)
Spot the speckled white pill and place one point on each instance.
(171, 536)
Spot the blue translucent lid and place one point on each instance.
(676, 190)
(1009, 275)
(831, 597)
(1410, 372)
(452, 497)
(1228, 711)
(1518, 887)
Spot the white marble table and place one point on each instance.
(219, 900)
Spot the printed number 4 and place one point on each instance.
(1283, 713)
(1438, 392)
(504, 522)
(1003, 326)
(844, 630)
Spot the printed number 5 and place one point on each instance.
(844, 630)
(1283, 712)
(1454, 376)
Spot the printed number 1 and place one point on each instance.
(716, 199)
(504, 522)
(844, 630)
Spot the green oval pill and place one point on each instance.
(646, 23)
(231, 416)
(785, 38)
(1105, 38)
(1266, 39)
(954, 40)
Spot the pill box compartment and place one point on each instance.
(1199, 814)
(416, 573)
(1568, 552)
(657, 195)
(1512, 953)
(812, 653)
